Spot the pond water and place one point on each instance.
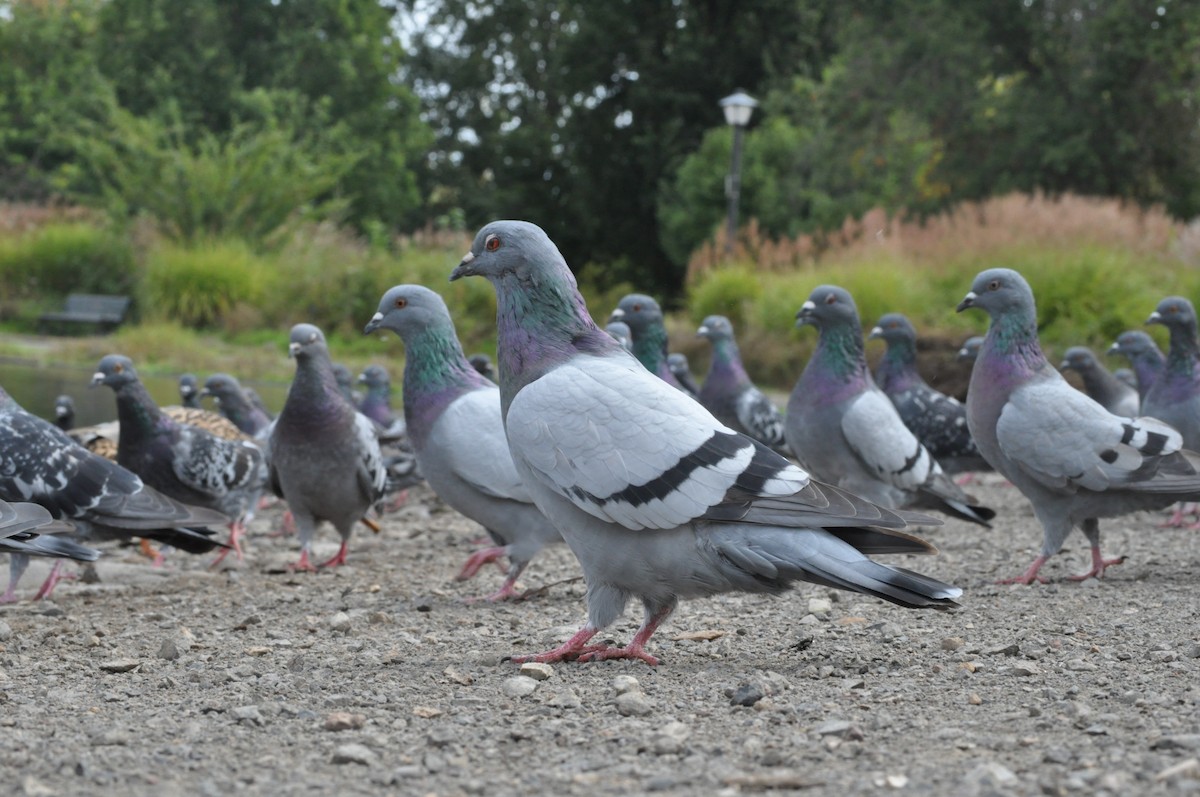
(35, 389)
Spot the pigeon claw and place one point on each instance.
(1029, 576)
(304, 565)
(1099, 564)
(477, 560)
(338, 559)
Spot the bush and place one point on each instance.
(199, 286)
(58, 259)
(730, 293)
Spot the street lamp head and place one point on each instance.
(738, 107)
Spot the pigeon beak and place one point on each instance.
(876, 332)
(362, 378)
(804, 315)
(1114, 349)
(293, 349)
(97, 379)
(60, 412)
(374, 323)
(617, 315)
(702, 331)
(1064, 366)
(968, 301)
(1154, 318)
(203, 393)
(464, 268)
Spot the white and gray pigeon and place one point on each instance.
(657, 499)
(325, 456)
(728, 392)
(184, 462)
(453, 416)
(1075, 461)
(678, 363)
(30, 530)
(1146, 359)
(970, 349)
(939, 421)
(1109, 392)
(644, 318)
(103, 500)
(843, 429)
(64, 412)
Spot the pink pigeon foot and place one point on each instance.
(338, 559)
(478, 559)
(400, 500)
(1030, 575)
(1099, 563)
(304, 565)
(9, 596)
(56, 575)
(567, 651)
(507, 591)
(236, 532)
(1182, 510)
(288, 526)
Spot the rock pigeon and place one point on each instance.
(644, 318)
(483, 364)
(345, 383)
(184, 462)
(970, 348)
(377, 400)
(30, 530)
(1074, 460)
(1143, 354)
(678, 363)
(453, 415)
(939, 421)
(235, 405)
(1127, 376)
(622, 334)
(325, 457)
(400, 458)
(64, 412)
(843, 429)
(728, 392)
(102, 499)
(657, 499)
(1175, 395)
(1109, 392)
(189, 391)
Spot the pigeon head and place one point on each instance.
(639, 312)
(715, 327)
(221, 387)
(678, 361)
(999, 292)
(828, 306)
(1078, 358)
(517, 249)
(408, 310)
(483, 365)
(894, 328)
(1133, 343)
(621, 333)
(375, 376)
(970, 348)
(1174, 312)
(116, 371)
(305, 340)
(64, 405)
(187, 385)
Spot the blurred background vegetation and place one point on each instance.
(241, 165)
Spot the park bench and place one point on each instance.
(91, 309)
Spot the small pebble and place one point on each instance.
(974, 699)
(247, 714)
(339, 623)
(119, 665)
(168, 650)
(519, 686)
(536, 670)
(633, 704)
(952, 643)
(5, 631)
(746, 695)
(625, 683)
(820, 605)
(344, 721)
(353, 754)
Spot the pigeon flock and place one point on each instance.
(663, 486)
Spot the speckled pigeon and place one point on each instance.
(189, 391)
(102, 499)
(970, 348)
(182, 461)
(845, 431)
(1074, 460)
(235, 405)
(678, 363)
(644, 318)
(939, 421)
(30, 530)
(325, 457)
(658, 500)
(1144, 356)
(454, 421)
(728, 392)
(1109, 392)
(623, 335)
(64, 412)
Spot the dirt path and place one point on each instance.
(235, 681)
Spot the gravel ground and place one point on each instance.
(380, 678)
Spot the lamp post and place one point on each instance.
(738, 108)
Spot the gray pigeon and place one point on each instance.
(1174, 396)
(454, 420)
(970, 348)
(644, 318)
(325, 457)
(1074, 460)
(182, 461)
(64, 412)
(657, 499)
(30, 530)
(1127, 376)
(102, 499)
(728, 392)
(345, 383)
(678, 363)
(235, 405)
(939, 421)
(1109, 392)
(189, 391)
(1143, 354)
(847, 432)
(377, 402)
(623, 335)
(483, 364)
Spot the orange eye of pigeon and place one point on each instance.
(1172, 309)
(118, 368)
(401, 303)
(637, 308)
(830, 299)
(492, 243)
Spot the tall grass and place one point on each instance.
(61, 258)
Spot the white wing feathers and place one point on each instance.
(486, 463)
(875, 432)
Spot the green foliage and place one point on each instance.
(728, 292)
(200, 286)
(58, 259)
